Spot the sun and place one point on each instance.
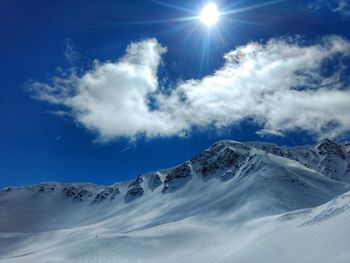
(210, 14)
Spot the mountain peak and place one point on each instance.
(229, 184)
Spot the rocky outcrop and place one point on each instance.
(108, 193)
(154, 181)
(135, 188)
(83, 195)
(76, 193)
(220, 158)
(327, 147)
(71, 191)
(177, 177)
(45, 187)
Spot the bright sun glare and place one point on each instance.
(210, 14)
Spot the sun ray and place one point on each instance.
(188, 35)
(172, 6)
(161, 21)
(173, 29)
(236, 21)
(220, 36)
(248, 8)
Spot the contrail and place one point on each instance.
(127, 148)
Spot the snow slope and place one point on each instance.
(235, 202)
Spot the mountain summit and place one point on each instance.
(234, 202)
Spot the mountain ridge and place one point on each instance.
(262, 145)
(232, 192)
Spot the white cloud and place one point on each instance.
(341, 7)
(279, 84)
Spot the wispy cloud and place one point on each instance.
(341, 7)
(283, 85)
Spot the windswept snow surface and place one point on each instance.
(235, 202)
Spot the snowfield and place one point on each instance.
(235, 202)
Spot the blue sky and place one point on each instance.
(199, 87)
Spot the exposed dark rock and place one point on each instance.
(135, 191)
(154, 181)
(46, 187)
(135, 188)
(108, 193)
(327, 147)
(137, 181)
(83, 195)
(181, 171)
(177, 177)
(230, 158)
(209, 169)
(71, 191)
(218, 157)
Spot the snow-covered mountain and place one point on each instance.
(234, 202)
